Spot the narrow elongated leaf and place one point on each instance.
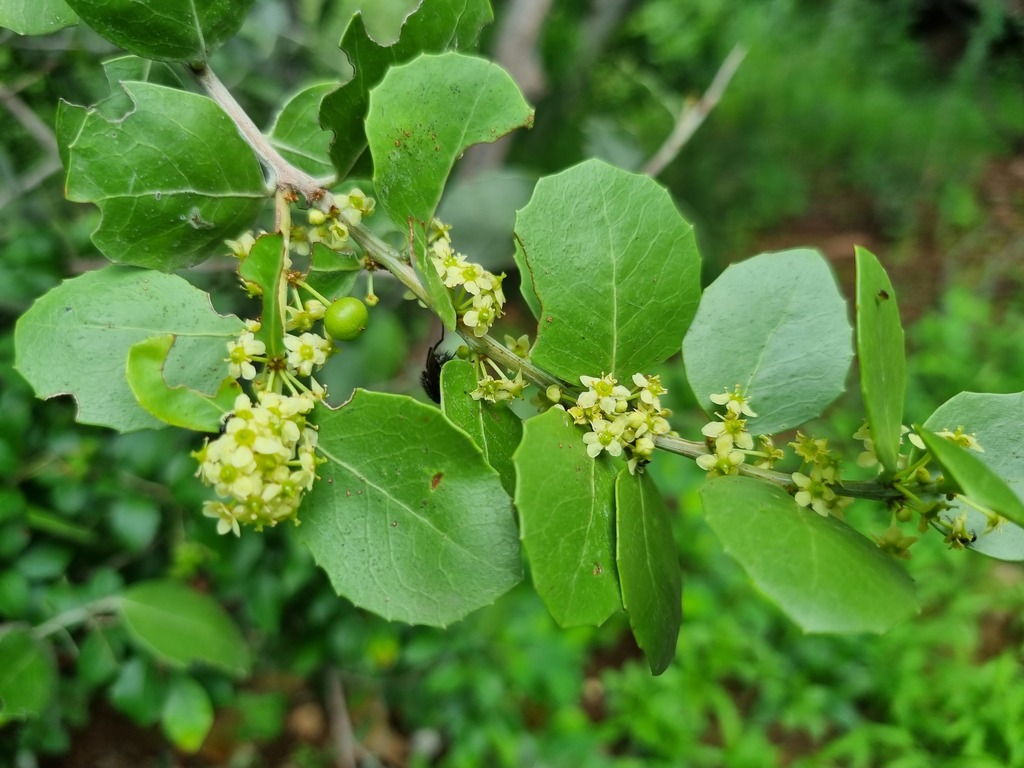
(823, 574)
(75, 341)
(974, 478)
(187, 715)
(407, 518)
(297, 134)
(985, 416)
(264, 266)
(435, 26)
(28, 675)
(648, 562)
(171, 30)
(494, 428)
(36, 17)
(181, 626)
(413, 151)
(883, 367)
(615, 270)
(178, 406)
(172, 176)
(790, 356)
(566, 503)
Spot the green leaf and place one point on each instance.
(172, 176)
(986, 416)
(36, 17)
(883, 366)
(178, 406)
(139, 691)
(413, 151)
(332, 273)
(566, 506)
(615, 269)
(28, 675)
(435, 26)
(75, 340)
(494, 428)
(181, 626)
(187, 714)
(134, 521)
(823, 574)
(297, 134)
(130, 68)
(264, 266)
(648, 563)
(790, 356)
(171, 30)
(407, 518)
(97, 661)
(973, 477)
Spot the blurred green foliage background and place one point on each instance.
(898, 125)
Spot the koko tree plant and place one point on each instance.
(540, 445)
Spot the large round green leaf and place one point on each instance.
(823, 574)
(776, 325)
(987, 416)
(566, 503)
(172, 176)
(35, 17)
(407, 518)
(172, 30)
(181, 626)
(414, 149)
(75, 341)
(435, 26)
(614, 268)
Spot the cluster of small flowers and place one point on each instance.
(481, 299)
(306, 352)
(501, 389)
(731, 440)
(263, 462)
(331, 227)
(868, 459)
(621, 418)
(814, 489)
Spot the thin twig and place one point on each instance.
(76, 616)
(287, 175)
(341, 724)
(31, 180)
(693, 114)
(36, 128)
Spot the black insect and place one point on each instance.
(431, 376)
(883, 295)
(224, 422)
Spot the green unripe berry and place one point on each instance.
(346, 318)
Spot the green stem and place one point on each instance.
(76, 616)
